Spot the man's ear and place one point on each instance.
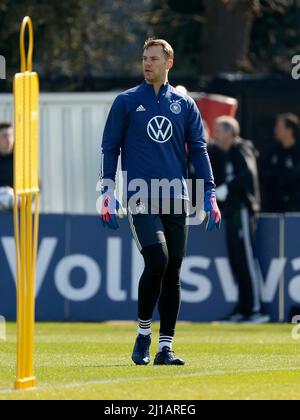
(170, 63)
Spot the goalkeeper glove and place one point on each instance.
(108, 209)
(212, 211)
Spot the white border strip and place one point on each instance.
(134, 233)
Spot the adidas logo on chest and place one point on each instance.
(140, 109)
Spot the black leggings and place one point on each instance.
(160, 282)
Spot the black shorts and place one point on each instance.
(150, 229)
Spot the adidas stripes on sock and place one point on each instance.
(165, 341)
(144, 327)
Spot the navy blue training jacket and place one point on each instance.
(151, 132)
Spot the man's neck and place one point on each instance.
(157, 85)
(288, 142)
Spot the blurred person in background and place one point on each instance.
(280, 169)
(240, 197)
(6, 167)
(217, 160)
(191, 169)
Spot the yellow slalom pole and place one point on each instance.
(26, 190)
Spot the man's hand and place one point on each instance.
(212, 211)
(108, 209)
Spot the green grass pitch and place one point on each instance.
(92, 361)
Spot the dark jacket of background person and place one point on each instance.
(218, 162)
(7, 170)
(280, 171)
(241, 177)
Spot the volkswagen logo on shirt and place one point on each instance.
(160, 129)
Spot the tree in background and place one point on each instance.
(103, 38)
(226, 35)
(181, 22)
(275, 36)
(212, 36)
(77, 38)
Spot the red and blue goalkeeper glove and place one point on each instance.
(212, 211)
(108, 209)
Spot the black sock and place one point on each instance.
(156, 262)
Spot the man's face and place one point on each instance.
(155, 64)
(221, 136)
(6, 141)
(280, 131)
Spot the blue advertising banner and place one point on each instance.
(87, 273)
(292, 266)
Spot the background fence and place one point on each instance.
(71, 128)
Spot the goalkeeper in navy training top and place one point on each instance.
(150, 126)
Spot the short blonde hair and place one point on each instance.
(229, 123)
(167, 49)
